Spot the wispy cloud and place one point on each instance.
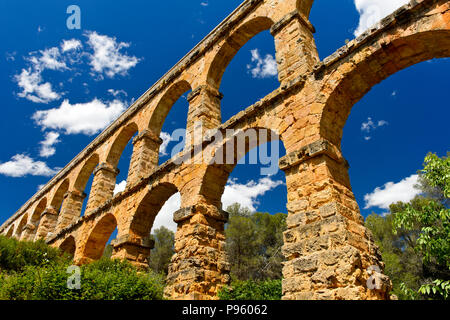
(262, 67)
(372, 11)
(22, 165)
(370, 126)
(47, 146)
(247, 195)
(107, 57)
(383, 197)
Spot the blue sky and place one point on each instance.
(61, 87)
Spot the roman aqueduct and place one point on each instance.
(328, 251)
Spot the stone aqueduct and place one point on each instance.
(327, 248)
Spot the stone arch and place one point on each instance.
(35, 218)
(85, 173)
(99, 236)
(304, 6)
(21, 226)
(165, 104)
(232, 45)
(58, 197)
(374, 68)
(217, 174)
(120, 142)
(68, 246)
(148, 208)
(10, 232)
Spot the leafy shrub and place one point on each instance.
(252, 290)
(16, 255)
(101, 280)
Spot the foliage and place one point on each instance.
(413, 238)
(403, 264)
(252, 290)
(102, 280)
(432, 218)
(15, 254)
(36, 271)
(254, 243)
(163, 251)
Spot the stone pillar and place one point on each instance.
(296, 51)
(136, 251)
(199, 268)
(204, 111)
(103, 186)
(329, 252)
(28, 232)
(71, 209)
(47, 224)
(145, 156)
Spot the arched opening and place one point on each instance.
(253, 190)
(394, 116)
(120, 143)
(120, 155)
(36, 216)
(9, 234)
(68, 246)
(84, 181)
(99, 236)
(358, 81)
(246, 62)
(149, 208)
(58, 197)
(169, 119)
(21, 226)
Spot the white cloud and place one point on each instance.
(370, 126)
(22, 165)
(107, 57)
(383, 197)
(116, 93)
(69, 45)
(165, 215)
(33, 89)
(120, 187)
(166, 138)
(47, 149)
(204, 3)
(49, 59)
(262, 68)
(247, 194)
(372, 11)
(87, 118)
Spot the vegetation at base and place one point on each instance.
(414, 237)
(16, 255)
(252, 290)
(46, 278)
(163, 251)
(253, 244)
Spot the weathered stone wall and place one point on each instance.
(329, 253)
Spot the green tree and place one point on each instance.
(429, 220)
(254, 243)
(413, 238)
(163, 251)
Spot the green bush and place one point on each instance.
(16, 255)
(102, 280)
(252, 290)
